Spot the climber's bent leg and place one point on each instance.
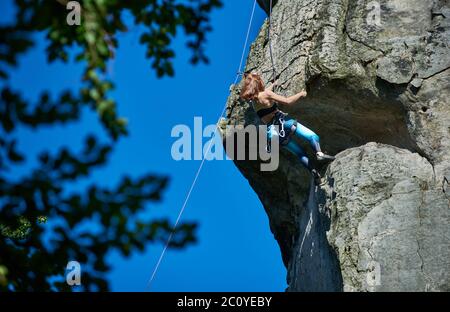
(307, 134)
(300, 153)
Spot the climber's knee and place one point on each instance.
(315, 138)
(306, 133)
(305, 162)
(300, 153)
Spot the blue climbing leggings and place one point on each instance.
(303, 133)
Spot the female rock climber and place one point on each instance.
(264, 101)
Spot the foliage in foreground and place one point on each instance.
(42, 224)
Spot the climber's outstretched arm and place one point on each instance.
(286, 100)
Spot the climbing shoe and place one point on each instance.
(316, 176)
(321, 156)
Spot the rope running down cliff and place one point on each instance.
(169, 239)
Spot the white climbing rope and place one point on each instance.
(241, 63)
(186, 200)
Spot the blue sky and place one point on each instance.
(236, 250)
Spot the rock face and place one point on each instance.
(386, 225)
(375, 71)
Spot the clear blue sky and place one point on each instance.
(236, 250)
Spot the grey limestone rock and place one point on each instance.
(378, 80)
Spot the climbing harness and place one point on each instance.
(281, 122)
(239, 73)
(284, 133)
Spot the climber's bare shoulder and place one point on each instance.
(273, 97)
(264, 98)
